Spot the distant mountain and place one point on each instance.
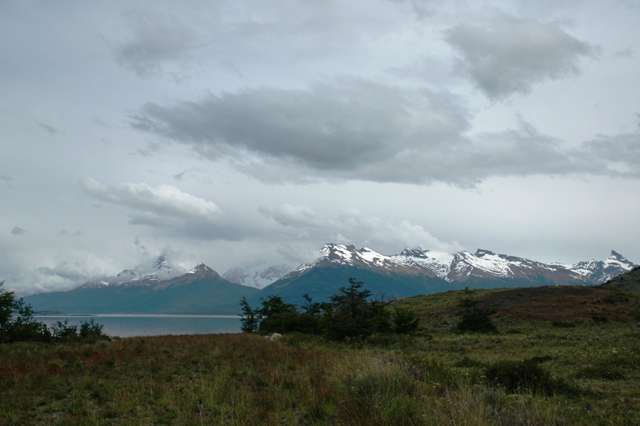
(258, 275)
(412, 272)
(417, 271)
(486, 265)
(200, 291)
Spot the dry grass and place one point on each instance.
(433, 378)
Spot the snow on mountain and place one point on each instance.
(436, 263)
(459, 267)
(160, 270)
(339, 254)
(599, 271)
(258, 275)
(464, 266)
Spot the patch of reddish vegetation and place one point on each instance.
(561, 303)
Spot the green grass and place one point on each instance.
(531, 372)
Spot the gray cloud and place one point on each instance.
(157, 38)
(508, 55)
(47, 128)
(617, 155)
(358, 130)
(334, 126)
(16, 230)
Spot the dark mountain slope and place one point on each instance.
(628, 281)
(202, 291)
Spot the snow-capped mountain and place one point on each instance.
(364, 258)
(258, 275)
(599, 271)
(160, 270)
(465, 266)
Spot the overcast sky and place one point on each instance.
(232, 132)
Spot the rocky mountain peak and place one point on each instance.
(201, 267)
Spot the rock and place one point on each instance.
(276, 336)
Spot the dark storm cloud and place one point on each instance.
(156, 38)
(508, 55)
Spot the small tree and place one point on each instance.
(404, 320)
(62, 332)
(277, 316)
(351, 315)
(17, 322)
(249, 320)
(474, 318)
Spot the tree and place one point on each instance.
(474, 318)
(249, 320)
(351, 315)
(17, 322)
(277, 316)
(404, 320)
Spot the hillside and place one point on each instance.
(628, 281)
(547, 303)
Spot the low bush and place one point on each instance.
(601, 372)
(524, 376)
(563, 324)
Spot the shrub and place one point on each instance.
(475, 319)
(16, 320)
(91, 331)
(528, 375)
(599, 319)
(62, 332)
(601, 371)
(348, 315)
(404, 320)
(563, 324)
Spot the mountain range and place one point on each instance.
(412, 272)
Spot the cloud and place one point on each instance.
(156, 39)
(162, 201)
(49, 129)
(350, 129)
(16, 230)
(508, 55)
(617, 155)
(170, 211)
(352, 227)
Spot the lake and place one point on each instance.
(123, 325)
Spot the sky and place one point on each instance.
(250, 131)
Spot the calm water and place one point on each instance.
(154, 325)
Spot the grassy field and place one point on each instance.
(560, 357)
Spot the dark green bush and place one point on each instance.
(16, 321)
(404, 320)
(349, 315)
(474, 319)
(524, 376)
(599, 319)
(563, 324)
(63, 332)
(601, 372)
